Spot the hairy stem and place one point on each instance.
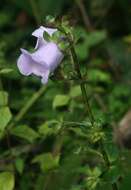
(85, 97)
(82, 85)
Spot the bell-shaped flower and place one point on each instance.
(39, 34)
(44, 60)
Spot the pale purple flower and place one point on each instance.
(44, 60)
(39, 34)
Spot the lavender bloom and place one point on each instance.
(39, 34)
(44, 60)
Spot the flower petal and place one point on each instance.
(25, 52)
(48, 55)
(39, 32)
(28, 66)
(40, 42)
(39, 69)
(45, 77)
(24, 64)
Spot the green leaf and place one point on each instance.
(82, 51)
(46, 36)
(104, 185)
(5, 117)
(5, 71)
(113, 174)
(96, 75)
(45, 129)
(112, 151)
(47, 161)
(126, 182)
(49, 128)
(79, 132)
(94, 38)
(50, 19)
(75, 91)
(127, 39)
(60, 100)
(93, 178)
(19, 164)
(3, 98)
(94, 172)
(25, 132)
(7, 181)
(86, 41)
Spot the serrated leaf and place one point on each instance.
(60, 100)
(7, 181)
(25, 132)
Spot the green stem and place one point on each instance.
(27, 106)
(82, 85)
(84, 93)
(105, 156)
(107, 162)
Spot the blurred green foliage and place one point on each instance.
(47, 142)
